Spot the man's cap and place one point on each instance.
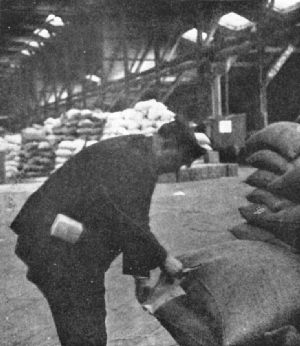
(184, 136)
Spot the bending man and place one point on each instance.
(107, 187)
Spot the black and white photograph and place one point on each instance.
(150, 172)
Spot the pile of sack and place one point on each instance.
(145, 118)
(11, 144)
(79, 128)
(233, 293)
(273, 211)
(76, 123)
(37, 152)
(67, 149)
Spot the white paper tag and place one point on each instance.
(165, 295)
(66, 228)
(225, 126)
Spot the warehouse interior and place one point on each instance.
(220, 57)
(82, 75)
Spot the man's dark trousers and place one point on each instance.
(72, 281)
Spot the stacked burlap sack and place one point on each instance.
(37, 152)
(76, 123)
(78, 128)
(66, 149)
(237, 293)
(11, 145)
(274, 209)
(145, 118)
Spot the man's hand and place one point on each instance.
(142, 288)
(172, 267)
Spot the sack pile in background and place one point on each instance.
(75, 123)
(78, 128)
(275, 202)
(42, 148)
(66, 149)
(37, 152)
(145, 118)
(11, 144)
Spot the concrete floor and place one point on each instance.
(184, 217)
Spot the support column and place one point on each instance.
(216, 97)
(203, 93)
(157, 58)
(125, 54)
(263, 103)
(226, 82)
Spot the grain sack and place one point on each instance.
(11, 144)
(144, 106)
(285, 224)
(269, 160)
(60, 160)
(261, 178)
(132, 114)
(288, 185)
(86, 114)
(85, 123)
(13, 139)
(63, 153)
(89, 131)
(65, 130)
(274, 203)
(202, 138)
(72, 114)
(245, 231)
(284, 336)
(32, 134)
(237, 292)
(282, 137)
(186, 326)
(157, 111)
(44, 146)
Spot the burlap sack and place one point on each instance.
(261, 178)
(85, 123)
(32, 134)
(273, 202)
(284, 336)
(285, 224)
(288, 185)
(269, 160)
(237, 292)
(245, 231)
(282, 137)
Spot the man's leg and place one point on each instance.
(75, 293)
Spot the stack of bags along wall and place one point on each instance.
(37, 152)
(11, 145)
(77, 129)
(144, 118)
(73, 130)
(76, 123)
(273, 211)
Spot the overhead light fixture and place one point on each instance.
(192, 35)
(286, 6)
(93, 78)
(54, 20)
(234, 21)
(42, 33)
(26, 52)
(33, 44)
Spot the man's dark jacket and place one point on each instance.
(108, 187)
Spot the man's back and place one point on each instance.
(101, 186)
